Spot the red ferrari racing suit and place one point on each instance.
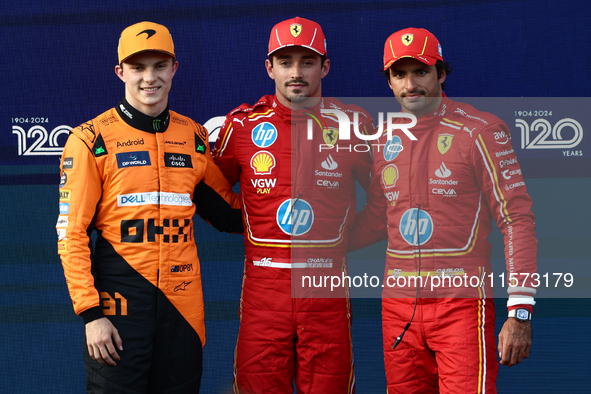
(138, 182)
(440, 194)
(298, 200)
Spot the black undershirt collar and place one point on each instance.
(141, 121)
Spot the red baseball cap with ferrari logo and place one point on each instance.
(297, 32)
(418, 44)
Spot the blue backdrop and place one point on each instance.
(60, 57)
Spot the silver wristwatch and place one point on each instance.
(520, 314)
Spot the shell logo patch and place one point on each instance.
(390, 175)
(262, 162)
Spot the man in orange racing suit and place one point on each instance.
(298, 199)
(439, 194)
(137, 174)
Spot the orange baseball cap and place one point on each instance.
(297, 32)
(418, 44)
(144, 36)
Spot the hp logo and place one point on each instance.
(295, 217)
(392, 148)
(264, 135)
(412, 231)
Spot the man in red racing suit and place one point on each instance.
(298, 200)
(136, 175)
(440, 194)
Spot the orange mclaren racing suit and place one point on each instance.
(298, 201)
(440, 194)
(138, 182)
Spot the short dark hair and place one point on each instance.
(443, 66)
(439, 66)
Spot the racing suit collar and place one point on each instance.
(287, 113)
(439, 112)
(141, 121)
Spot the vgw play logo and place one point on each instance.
(332, 135)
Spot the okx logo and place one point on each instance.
(295, 216)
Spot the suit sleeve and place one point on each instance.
(363, 160)
(80, 193)
(224, 152)
(214, 199)
(370, 223)
(500, 178)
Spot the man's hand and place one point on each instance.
(101, 339)
(514, 341)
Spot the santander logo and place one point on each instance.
(443, 171)
(329, 163)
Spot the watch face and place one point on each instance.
(522, 314)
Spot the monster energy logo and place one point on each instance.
(156, 124)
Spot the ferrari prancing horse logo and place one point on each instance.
(330, 136)
(444, 142)
(295, 29)
(407, 39)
